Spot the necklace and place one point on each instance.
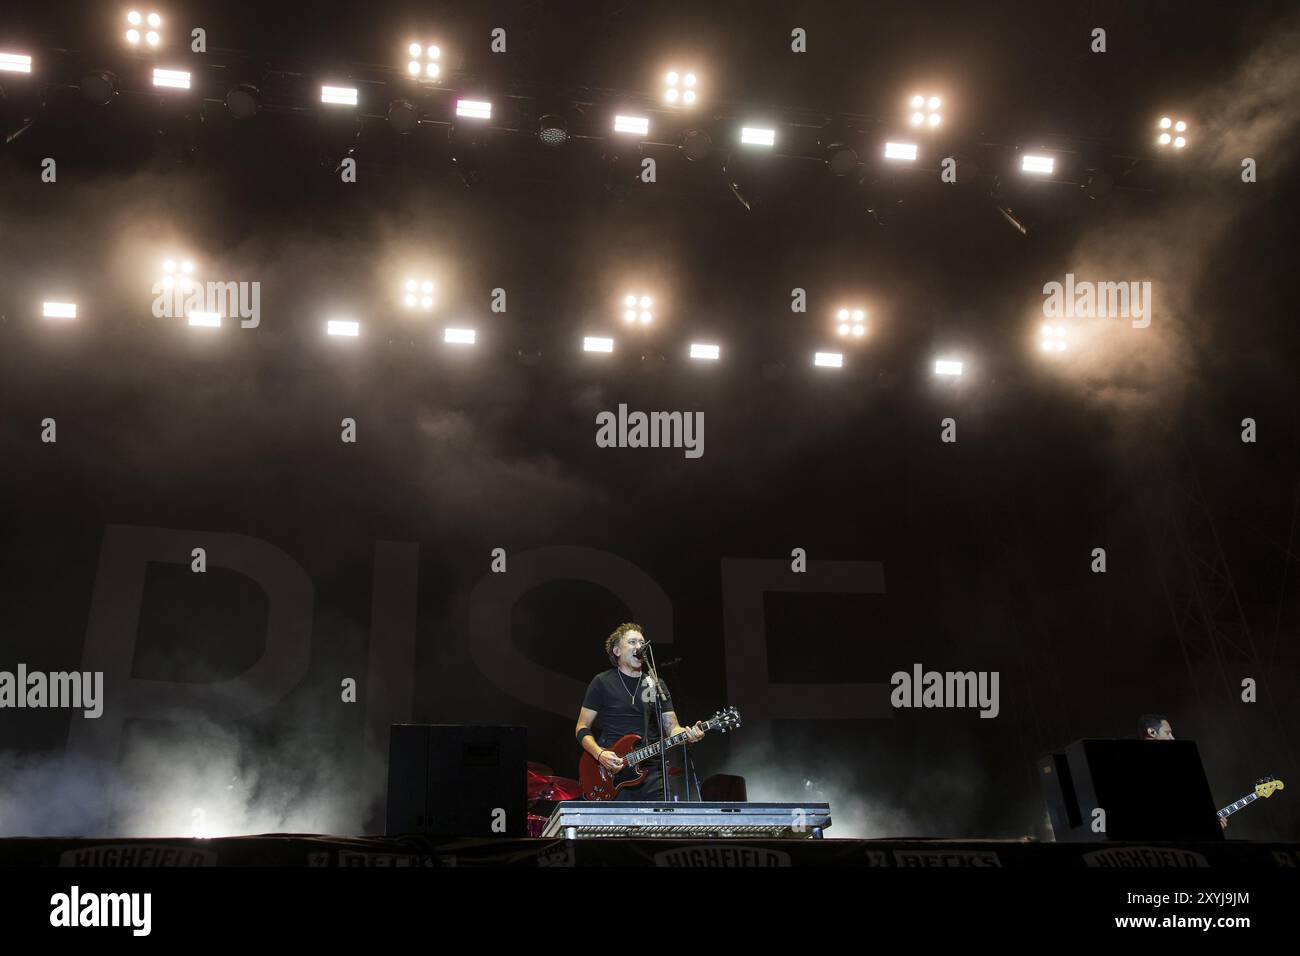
(631, 696)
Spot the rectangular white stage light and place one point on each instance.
(458, 336)
(947, 367)
(1043, 165)
(343, 327)
(59, 310)
(640, 125)
(15, 63)
(699, 351)
(901, 151)
(755, 136)
(829, 359)
(474, 109)
(205, 320)
(176, 79)
(596, 344)
(339, 95)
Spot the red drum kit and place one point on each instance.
(545, 790)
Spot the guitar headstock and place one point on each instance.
(726, 719)
(1267, 785)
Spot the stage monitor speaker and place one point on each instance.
(452, 780)
(1149, 790)
(723, 788)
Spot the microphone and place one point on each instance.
(640, 651)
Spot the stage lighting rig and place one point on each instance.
(59, 310)
(923, 112)
(99, 87)
(705, 352)
(143, 30)
(632, 125)
(418, 294)
(596, 343)
(900, 152)
(424, 62)
(1173, 133)
(681, 89)
(1037, 164)
(15, 63)
(1051, 339)
(468, 138)
(459, 336)
(345, 328)
(948, 368)
(696, 144)
(757, 136)
(841, 159)
(171, 79)
(851, 323)
(637, 309)
(177, 274)
(828, 359)
(553, 130)
(243, 100)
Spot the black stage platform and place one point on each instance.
(290, 849)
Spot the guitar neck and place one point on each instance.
(1244, 802)
(668, 743)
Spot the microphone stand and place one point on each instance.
(648, 663)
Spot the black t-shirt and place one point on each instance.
(620, 709)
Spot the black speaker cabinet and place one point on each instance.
(451, 780)
(1150, 790)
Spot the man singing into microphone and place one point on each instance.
(621, 701)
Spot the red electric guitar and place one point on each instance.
(599, 784)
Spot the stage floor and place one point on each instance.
(289, 849)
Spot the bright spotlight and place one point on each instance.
(1165, 138)
(901, 152)
(424, 298)
(947, 367)
(423, 62)
(59, 310)
(925, 111)
(757, 136)
(15, 63)
(828, 359)
(174, 79)
(638, 125)
(638, 309)
(339, 95)
(680, 88)
(851, 322)
(343, 327)
(1038, 165)
(458, 336)
(597, 344)
(474, 109)
(1051, 338)
(151, 37)
(701, 351)
(205, 320)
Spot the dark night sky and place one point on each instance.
(985, 543)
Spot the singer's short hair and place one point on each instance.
(612, 641)
(1151, 722)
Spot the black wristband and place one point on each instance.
(584, 732)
